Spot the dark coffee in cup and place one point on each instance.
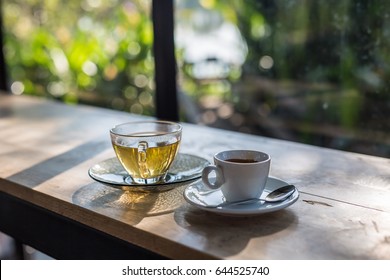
(242, 160)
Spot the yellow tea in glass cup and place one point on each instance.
(146, 149)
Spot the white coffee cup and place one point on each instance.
(241, 174)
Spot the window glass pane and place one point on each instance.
(88, 51)
(309, 71)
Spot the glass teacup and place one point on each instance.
(146, 149)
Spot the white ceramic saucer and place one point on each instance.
(197, 194)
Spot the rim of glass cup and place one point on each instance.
(179, 129)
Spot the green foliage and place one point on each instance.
(306, 63)
(310, 43)
(81, 51)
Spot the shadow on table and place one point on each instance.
(130, 206)
(228, 236)
(53, 166)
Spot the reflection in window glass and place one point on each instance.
(88, 51)
(309, 71)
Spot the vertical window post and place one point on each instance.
(165, 62)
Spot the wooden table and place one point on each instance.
(47, 199)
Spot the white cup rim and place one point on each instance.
(260, 157)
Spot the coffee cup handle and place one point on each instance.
(219, 179)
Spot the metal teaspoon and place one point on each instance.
(277, 195)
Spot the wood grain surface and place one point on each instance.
(343, 211)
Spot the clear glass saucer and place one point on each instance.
(185, 167)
